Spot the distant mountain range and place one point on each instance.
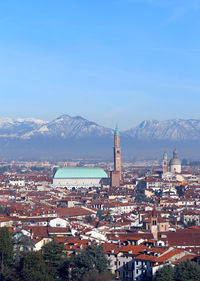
(66, 126)
(68, 136)
(175, 129)
(18, 127)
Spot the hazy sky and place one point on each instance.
(110, 61)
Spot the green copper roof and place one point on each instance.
(116, 131)
(79, 172)
(165, 155)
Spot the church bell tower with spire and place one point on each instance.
(117, 153)
(116, 174)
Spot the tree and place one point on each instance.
(33, 268)
(99, 259)
(89, 219)
(54, 258)
(6, 249)
(180, 190)
(108, 215)
(166, 273)
(99, 214)
(95, 276)
(190, 223)
(63, 271)
(1, 210)
(88, 261)
(140, 197)
(54, 171)
(187, 271)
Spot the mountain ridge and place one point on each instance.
(67, 137)
(66, 126)
(172, 129)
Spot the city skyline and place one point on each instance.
(111, 62)
(99, 140)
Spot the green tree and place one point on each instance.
(190, 223)
(99, 259)
(166, 273)
(89, 219)
(108, 215)
(88, 261)
(33, 268)
(140, 197)
(95, 276)
(187, 271)
(1, 210)
(6, 250)
(63, 271)
(99, 214)
(54, 258)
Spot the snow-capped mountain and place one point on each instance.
(175, 129)
(69, 127)
(68, 137)
(17, 128)
(77, 127)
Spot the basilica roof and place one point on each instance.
(79, 172)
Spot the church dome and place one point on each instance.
(175, 160)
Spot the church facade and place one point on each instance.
(174, 163)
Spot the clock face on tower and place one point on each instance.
(118, 151)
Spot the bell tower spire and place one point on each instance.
(117, 153)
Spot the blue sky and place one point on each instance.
(110, 61)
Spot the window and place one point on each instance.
(154, 222)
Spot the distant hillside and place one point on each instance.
(75, 137)
(69, 127)
(175, 129)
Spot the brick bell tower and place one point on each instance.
(117, 153)
(165, 164)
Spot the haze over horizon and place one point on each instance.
(111, 61)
